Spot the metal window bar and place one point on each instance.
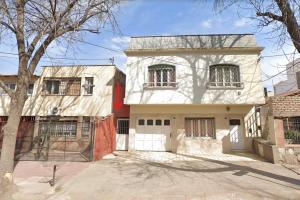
(123, 126)
(200, 127)
(58, 129)
(224, 76)
(161, 76)
(65, 86)
(292, 129)
(86, 128)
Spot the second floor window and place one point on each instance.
(88, 86)
(224, 75)
(161, 76)
(30, 89)
(9, 85)
(63, 86)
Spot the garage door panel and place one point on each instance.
(148, 145)
(140, 137)
(148, 137)
(159, 137)
(152, 137)
(139, 145)
(158, 146)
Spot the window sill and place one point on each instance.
(87, 95)
(60, 95)
(213, 87)
(200, 138)
(160, 88)
(166, 86)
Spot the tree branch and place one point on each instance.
(6, 89)
(8, 26)
(270, 15)
(6, 11)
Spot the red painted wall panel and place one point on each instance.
(24, 135)
(119, 108)
(105, 137)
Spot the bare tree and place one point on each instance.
(35, 24)
(282, 16)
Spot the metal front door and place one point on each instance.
(236, 134)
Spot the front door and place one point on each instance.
(236, 134)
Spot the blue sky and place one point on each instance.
(159, 17)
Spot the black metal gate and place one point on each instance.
(60, 141)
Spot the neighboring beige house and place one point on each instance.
(293, 78)
(193, 93)
(66, 101)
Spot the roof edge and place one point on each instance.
(224, 34)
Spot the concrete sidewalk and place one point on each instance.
(169, 176)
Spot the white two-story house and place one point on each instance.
(192, 93)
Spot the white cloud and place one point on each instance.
(207, 23)
(124, 40)
(241, 22)
(119, 43)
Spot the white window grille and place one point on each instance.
(200, 127)
(62, 86)
(224, 76)
(161, 76)
(57, 129)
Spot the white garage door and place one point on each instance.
(153, 134)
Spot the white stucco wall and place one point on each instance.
(177, 114)
(192, 75)
(98, 104)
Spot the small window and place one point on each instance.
(52, 86)
(88, 86)
(141, 122)
(11, 85)
(167, 122)
(150, 122)
(233, 122)
(86, 127)
(158, 122)
(30, 89)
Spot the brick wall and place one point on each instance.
(285, 105)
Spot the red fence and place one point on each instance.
(105, 137)
(24, 136)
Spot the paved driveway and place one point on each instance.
(171, 176)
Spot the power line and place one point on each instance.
(121, 51)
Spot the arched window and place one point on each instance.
(161, 75)
(224, 75)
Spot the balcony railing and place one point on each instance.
(225, 85)
(160, 85)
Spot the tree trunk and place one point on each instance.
(10, 131)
